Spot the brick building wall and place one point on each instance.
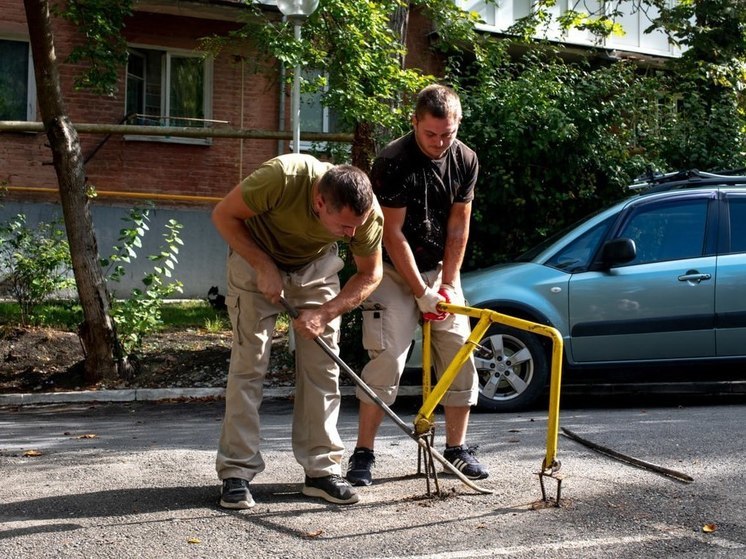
(241, 96)
(122, 164)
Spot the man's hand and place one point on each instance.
(449, 292)
(428, 304)
(310, 323)
(269, 282)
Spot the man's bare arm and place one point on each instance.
(312, 322)
(399, 250)
(456, 239)
(229, 216)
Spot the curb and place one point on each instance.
(140, 395)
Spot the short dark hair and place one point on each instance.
(346, 186)
(439, 101)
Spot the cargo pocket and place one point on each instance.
(373, 329)
(231, 301)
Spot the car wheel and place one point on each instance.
(513, 368)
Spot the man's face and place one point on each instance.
(342, 223)
(434, 135)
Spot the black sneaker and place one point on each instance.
(333, 488)
(236, 494)
(465, 461)
(360, 466)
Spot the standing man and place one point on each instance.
(282, 224)
(424, 182)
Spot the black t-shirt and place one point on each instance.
(404, 177)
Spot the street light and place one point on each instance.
(296, 11)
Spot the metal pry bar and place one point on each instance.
(387, 410)
(678, 476)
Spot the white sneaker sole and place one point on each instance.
(240, 505)
(316, 492)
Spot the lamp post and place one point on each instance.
(296, 11)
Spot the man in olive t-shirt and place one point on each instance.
(282, 224)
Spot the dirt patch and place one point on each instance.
(48, 360)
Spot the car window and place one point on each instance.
(737, 211)
(533, 252)
(577, 255)
(667, 231)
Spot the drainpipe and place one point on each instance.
(240, 143)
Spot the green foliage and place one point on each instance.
(104, 50)
(34, 263)
(353, 48)
(557, 140)
(140, 314)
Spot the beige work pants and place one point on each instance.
(317, 445)
(390, 317)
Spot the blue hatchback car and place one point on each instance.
(659, 278)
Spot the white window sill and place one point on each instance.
(169, 140)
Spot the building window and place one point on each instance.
(17, 85)
(314, 116)
(499, 16)
(168, 88)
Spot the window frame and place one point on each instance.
(31, 101)
(207, 76)
(307, 146)
(655, 206)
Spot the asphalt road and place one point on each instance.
(138, 480)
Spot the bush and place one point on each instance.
(35, 264)
(556, 140)
(140, 314)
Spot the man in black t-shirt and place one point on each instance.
(424, 182)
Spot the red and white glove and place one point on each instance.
(452, 296)
(428, 303)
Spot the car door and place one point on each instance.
(661, 304)
(730, 291)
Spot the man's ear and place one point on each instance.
(318, 202)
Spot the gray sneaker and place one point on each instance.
(236, 494)
(332, 488)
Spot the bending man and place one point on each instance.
(282, 224)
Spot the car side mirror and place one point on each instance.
(618, 251)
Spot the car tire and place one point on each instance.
(513, 368)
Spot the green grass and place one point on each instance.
(66, 315)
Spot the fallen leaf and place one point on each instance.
(315, 534)
(32, 453)
(194, 540)
(709, 527)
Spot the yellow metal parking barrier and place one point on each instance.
(423, 422)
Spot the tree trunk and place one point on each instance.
(103, 359)
(364, 146)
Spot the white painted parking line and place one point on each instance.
(664, 532)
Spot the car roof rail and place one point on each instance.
(659, 182)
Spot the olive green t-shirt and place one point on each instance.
(280, 192)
